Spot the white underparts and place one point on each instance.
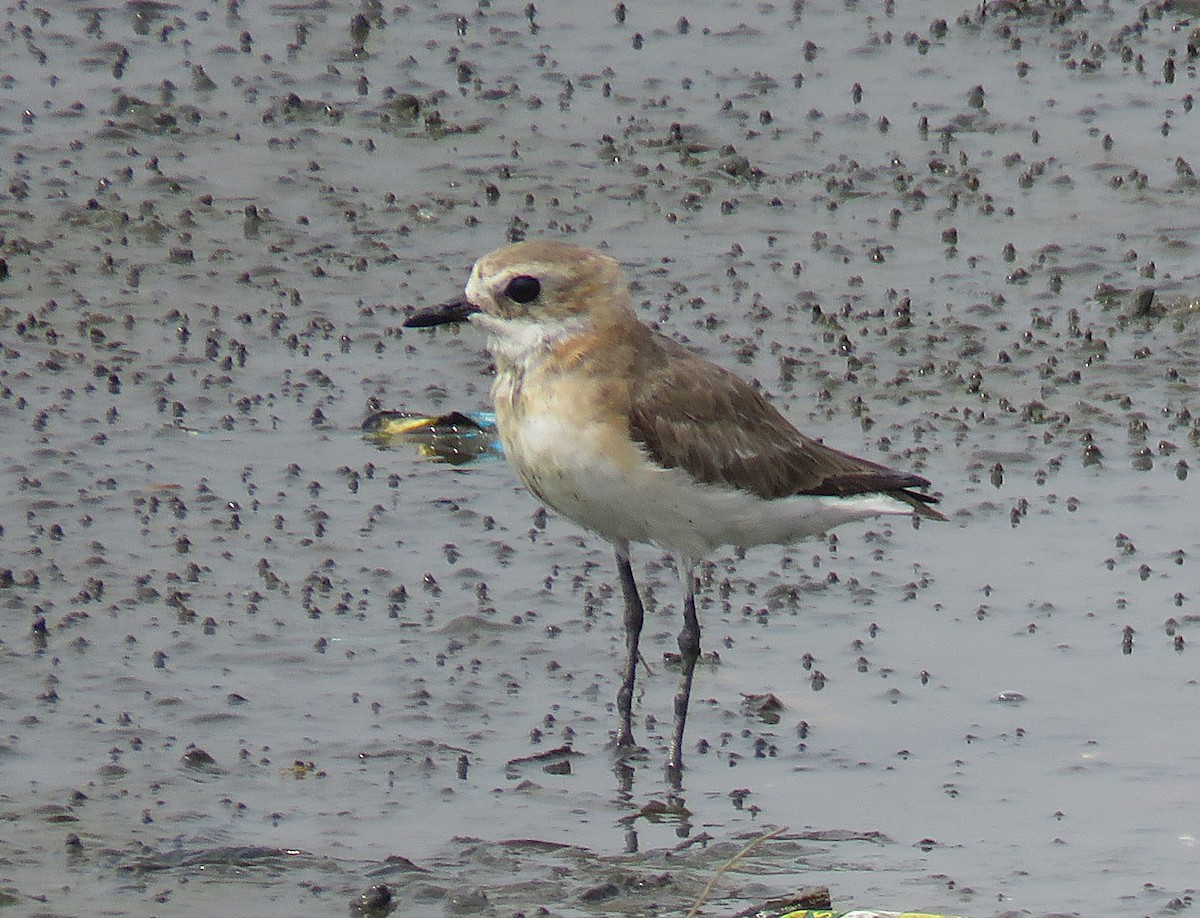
(630, 497)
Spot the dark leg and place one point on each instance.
(634, 614)
(689, 652)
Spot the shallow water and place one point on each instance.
(222, 562)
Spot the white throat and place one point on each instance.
(514, 341)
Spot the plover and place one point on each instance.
(638, 439)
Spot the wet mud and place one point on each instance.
(254, 660)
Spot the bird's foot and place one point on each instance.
(674, 774)
(626, 747)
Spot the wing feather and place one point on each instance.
(724, 432)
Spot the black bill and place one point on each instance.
(442, 314)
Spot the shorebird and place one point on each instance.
(638, 439)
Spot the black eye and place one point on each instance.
(523, 289)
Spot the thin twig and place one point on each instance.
(728, 865)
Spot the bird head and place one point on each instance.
(543, 283)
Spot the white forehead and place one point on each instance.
(491, 275)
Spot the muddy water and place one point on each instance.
(253, 662)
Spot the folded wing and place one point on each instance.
(724, 432)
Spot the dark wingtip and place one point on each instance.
(442, 314)
(920, 502)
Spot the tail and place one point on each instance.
(921, 504)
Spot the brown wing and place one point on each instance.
(693, 415)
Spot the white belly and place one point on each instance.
(594, 475)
